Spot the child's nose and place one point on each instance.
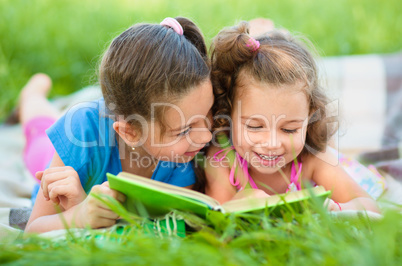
(201, 136)
(275, 142)
(204, 136)
(271, 139)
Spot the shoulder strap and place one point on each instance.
(294, 176)
(235, 162)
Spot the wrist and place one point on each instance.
(73, 217)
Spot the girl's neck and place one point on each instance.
(272, 183)
(137, 161)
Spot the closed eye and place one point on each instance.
(185, 132)
(253, 127)
(289, 131)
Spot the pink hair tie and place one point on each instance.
(174, 24)
(253, 44)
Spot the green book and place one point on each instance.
(152, 198)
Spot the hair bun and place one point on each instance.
(232, 47)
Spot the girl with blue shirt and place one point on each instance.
(151, 121)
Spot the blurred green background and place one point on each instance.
(65, 38)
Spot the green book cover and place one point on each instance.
(152, 198)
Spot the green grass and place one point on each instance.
(65, 38)
(297, 239)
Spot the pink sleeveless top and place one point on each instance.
(243, 166)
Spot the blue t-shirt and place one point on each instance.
(85, 139)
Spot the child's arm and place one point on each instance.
(326, 171)
(77, 210)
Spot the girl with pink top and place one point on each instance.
(269, 103)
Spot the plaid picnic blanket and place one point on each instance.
(369, 90)
(389, 157)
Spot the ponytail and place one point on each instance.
(193, 35)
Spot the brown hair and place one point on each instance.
(280, 59)
(149, 63)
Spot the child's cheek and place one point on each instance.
(183, 146)
(299, 142)
(237, 134)
(253, 138)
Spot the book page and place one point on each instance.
(168, 188)
(250, 204)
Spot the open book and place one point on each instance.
(155, 198)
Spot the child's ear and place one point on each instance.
(127, 132)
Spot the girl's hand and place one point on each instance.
(332, 206)
(62, 186)
(94, 213)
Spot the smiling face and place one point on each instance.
(269, 124)
(187, 127)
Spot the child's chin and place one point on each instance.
(186, 159)
(183, 159)
(177, 159)
(267, 169)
